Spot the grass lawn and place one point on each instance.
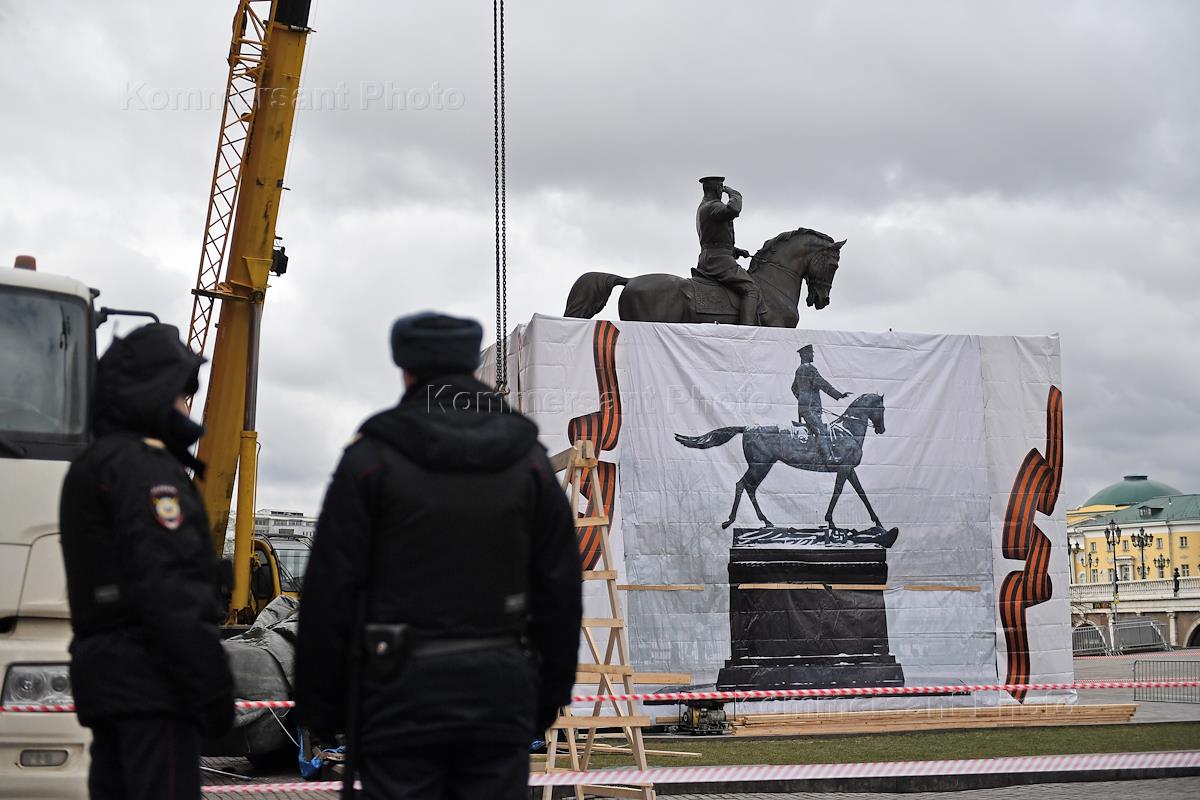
(921, 746)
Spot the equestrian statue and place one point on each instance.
(720, 289)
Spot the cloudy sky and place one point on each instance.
(998, 168)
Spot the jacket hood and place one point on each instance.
(138, 379)
(455, 424)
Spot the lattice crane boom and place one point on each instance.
(266, 55)
(246, 55)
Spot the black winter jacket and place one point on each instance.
(446, 512)
(140, 566)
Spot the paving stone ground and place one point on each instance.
(1120, 668)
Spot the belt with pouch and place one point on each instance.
(389, 647)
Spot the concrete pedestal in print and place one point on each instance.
(830, 630)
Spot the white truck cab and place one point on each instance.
(47, 364)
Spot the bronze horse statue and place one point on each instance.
(764, 445)
(778, 268)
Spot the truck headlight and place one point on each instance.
(37, 684)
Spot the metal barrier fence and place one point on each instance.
(1138, 634)
(1166, 671)
(1088, 640)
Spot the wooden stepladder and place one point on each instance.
(607, 651)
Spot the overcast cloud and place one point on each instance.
(1000, 168)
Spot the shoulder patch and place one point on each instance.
(164, 502)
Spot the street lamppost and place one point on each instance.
(1112, 535)
(1141, 540)
(1161, 562)
(1075, 549)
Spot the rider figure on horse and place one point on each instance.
(718, 256)
(807, 386)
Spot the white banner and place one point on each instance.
(948, 438)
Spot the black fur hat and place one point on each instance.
(430, 343)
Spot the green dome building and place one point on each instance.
(1129, 491)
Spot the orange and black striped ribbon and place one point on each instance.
(1035, 489)
(602, 428)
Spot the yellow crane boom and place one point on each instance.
(265, 60)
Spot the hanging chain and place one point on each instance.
(501, 195)
(503, 208)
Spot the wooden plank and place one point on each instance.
(661, 587)
(910, 713)
(603, 622)
(537, 764)
(856, 587)
(560, 461)
(604, 669)
(645, 678)
(608, 748)
(895, 721)
(937, 587)
(588, 522)
(613, 791)
(583, 723)
(600, 575)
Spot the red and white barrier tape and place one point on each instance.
(770, 694)
(882, 691)
(255, 788)
(792, 772)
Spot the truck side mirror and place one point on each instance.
(261, 584)
(105, 312)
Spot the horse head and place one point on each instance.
(822, 266)
(868, 407)
(783, 263)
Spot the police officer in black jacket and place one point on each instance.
(445, 517)
(147, 667)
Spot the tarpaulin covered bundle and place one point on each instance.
(261, 659)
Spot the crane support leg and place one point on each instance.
(243, 544)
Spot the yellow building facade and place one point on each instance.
(1156, 537)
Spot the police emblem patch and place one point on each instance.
(164, 500)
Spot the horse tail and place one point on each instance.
(711, 439)
(590, 292)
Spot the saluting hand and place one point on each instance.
(844, 395)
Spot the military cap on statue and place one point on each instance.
(720, 181)
(807, 350)
(430, 343)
